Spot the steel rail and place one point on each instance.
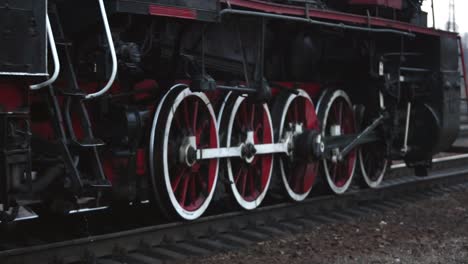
(144, 239)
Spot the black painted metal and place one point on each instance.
(22, 24)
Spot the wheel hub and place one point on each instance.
(188, 151)
(335, 130)
(297, 125)
(248, 150)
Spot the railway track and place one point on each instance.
(173, 241)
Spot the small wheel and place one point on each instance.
(372, 156)
(244, 123)
(292, 115)
(336, 113)
(184, 122)
(373, 163)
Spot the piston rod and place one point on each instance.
(360, 138)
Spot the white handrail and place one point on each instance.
(53, 48)
(113, 54)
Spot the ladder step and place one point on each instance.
(19, 113)
(103, 183)
(74, 93)
(89, 142)
(63, 42)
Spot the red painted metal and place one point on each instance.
(141, 161)
(191, 184)
(171, 11)
(144, 89)
(284, 9)
(13, 95)
(251, 179)
(462, 54)
(341, 114)
(302, 175)
(312, 88)
(397, 4)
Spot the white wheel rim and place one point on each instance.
(336, 189)
(371, 183)
(292, 194)
(182, 212)
(248, 205)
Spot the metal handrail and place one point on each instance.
(113, 54)
(55, 57)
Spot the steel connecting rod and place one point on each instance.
(231, 152)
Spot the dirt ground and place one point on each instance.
(433, 230)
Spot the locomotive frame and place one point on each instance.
(281, 75)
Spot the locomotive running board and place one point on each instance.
(24, 213)
(350, 19)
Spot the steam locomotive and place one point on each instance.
(185, 103)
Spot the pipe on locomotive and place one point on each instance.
(112, 51)
(55, 57)
(314, 22)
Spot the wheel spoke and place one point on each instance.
(335, 172)
(340, 118)
(193, 188)
(244, 183)
(178, 178)
(296, 113)
(186, 113)
(184, 191)
(239, 174)
(299, 177)
(309, 175)
(200, 130)
(252, 117)
(177, 121)
(202, 184)
(252, 179)
(245, 116)
(195, 115)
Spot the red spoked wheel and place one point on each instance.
(184, 122)
(336, 113)
(293, 114)
(245, 123)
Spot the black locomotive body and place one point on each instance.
(188, 102)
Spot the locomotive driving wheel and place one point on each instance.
(293, 114)
(184, 122)
(244, 124)
(336, 113)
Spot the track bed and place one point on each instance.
(216, 233)
(415, 232)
